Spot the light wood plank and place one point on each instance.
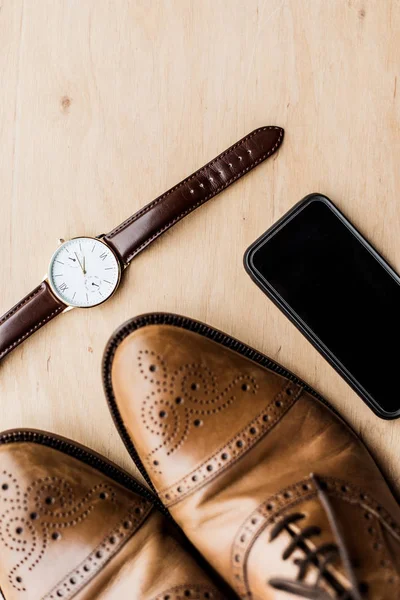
(106, 104)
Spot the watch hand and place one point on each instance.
(79, 262)
(70, 258)
(84, 265)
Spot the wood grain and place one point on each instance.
(104, 105)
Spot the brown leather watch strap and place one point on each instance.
(27, 316)
(137, 232)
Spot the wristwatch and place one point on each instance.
(86, 271)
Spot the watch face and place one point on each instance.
(84, 272)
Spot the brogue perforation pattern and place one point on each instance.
(179, 401)
(270, 510)
(34, 519)
(235, 448)
(95, 561)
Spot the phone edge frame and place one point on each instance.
(292, 316)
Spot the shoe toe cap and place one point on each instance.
(182, 400)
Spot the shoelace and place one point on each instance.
(321, 557)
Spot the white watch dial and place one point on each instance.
(84, 272)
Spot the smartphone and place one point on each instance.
(341, 294)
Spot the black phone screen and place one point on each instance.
(341, 291)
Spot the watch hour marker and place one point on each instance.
(59, 261)
(106, 281)
(80, 247)
(94, 246)
(103, 255)
(73, 295)
(87, 297)
(59, 275)
(109, 269)
(63, 287)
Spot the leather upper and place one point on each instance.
(237, 451)
(69, 531)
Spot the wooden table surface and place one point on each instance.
(106, 104)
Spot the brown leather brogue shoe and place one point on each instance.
(73, 525)
(273, 488)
